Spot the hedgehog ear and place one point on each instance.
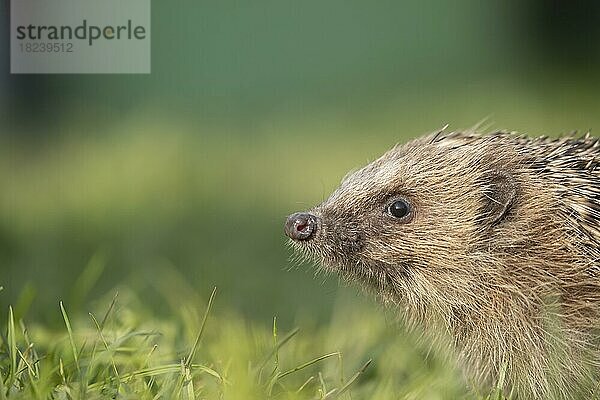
(499, 192)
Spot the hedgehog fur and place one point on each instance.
(499, 252)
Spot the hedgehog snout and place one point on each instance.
(300, 226)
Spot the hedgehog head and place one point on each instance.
(410, 222)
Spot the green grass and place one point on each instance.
(122, 351)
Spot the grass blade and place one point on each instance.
(306, 364)
(345, 387)
(71, 337)
(278, 346)
(110, 308)
(190, 357)
(12, 347)
(105, 343)
(309, 380)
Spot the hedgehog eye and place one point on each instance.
(399, 209)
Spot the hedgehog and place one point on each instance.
(488, 243)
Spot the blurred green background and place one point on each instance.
(254, 110)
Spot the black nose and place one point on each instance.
(300, 226)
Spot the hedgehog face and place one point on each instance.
(399, 222)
